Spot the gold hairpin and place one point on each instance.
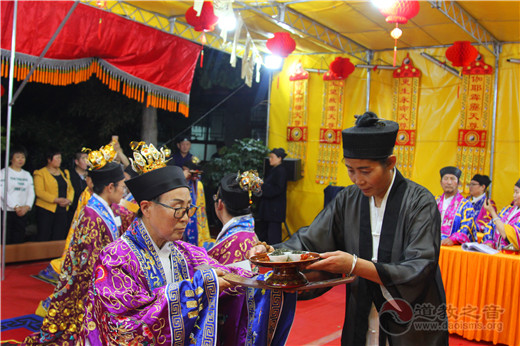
(250, 181)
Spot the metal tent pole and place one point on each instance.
(10, 104)
(498, 49)
(8, 135)
(370, 55)
(268, 108)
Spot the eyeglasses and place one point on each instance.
(474, 184)
(179, 213)
(215, 198)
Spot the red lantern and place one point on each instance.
(282, 44)
(207, 19)
(461, 53)
(341, 67)
(400, 11)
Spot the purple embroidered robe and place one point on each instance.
(232, 246)
(482, 216)
(511, 219)
(132, 302)
(65, 313)
(458, 221)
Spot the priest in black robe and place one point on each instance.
(384, 229)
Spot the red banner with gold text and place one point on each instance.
(404, 111)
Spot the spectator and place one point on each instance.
(54, 195)
(78, 175)
(20, 196)
(183, 154)
(271, 210)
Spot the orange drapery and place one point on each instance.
(145, 64)
(482, 294)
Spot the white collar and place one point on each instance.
(376, 219)
(476, 199)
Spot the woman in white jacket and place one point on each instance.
(20, 196)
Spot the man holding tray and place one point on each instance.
(384, 229)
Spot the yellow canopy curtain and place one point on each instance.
(438, 119)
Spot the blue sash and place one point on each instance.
(142, 246)
(192, 302)
(101, 210)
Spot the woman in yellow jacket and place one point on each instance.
(54, 194)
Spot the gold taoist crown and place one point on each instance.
(147, 157)
(99, 158)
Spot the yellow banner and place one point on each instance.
(297, 127)
(329, 153)
(474, 121)
(404, 111)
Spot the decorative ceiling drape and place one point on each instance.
(143, 63)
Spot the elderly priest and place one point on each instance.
(151, 288)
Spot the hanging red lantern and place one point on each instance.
(400, 11)
(461, 53)
(206, 21)
(341, 67)
(282, 44)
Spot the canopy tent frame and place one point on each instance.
(287, 19)
(12, 99)
(466, 22)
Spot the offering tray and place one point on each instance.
(252, 282)
(285, 273)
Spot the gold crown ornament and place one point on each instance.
(250, 181)
(147, 157)
(97, 159)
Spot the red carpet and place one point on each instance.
(317, 322)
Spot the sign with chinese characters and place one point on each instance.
(474, 120)
(404, 111)
(329, 154)
(297, 127)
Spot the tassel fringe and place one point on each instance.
(61, 73)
